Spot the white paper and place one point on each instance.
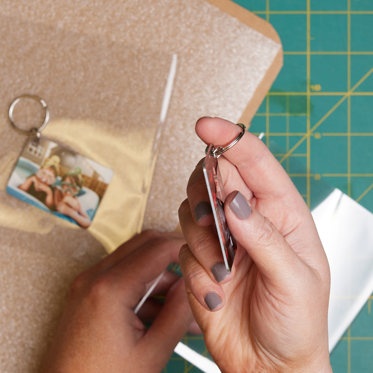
(346, 231)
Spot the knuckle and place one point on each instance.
(195, 278)
(183, 253)
(183, 208)
(192, 272)
(151, 233)
(154, 237)
(78, 284)
(185, 258)
(200, 242)
(195, 182)
(100, 288)
(159, 240)
(192, 187)
(266, 232)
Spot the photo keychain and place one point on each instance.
(53, 177)
(217, 196)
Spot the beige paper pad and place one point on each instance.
(226, 60)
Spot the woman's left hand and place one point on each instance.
(99, 331)
(270, 312)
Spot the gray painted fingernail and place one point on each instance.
(219, 271)
(212, 300)
(202, 209)
(240, 207)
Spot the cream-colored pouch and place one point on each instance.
(105, 100)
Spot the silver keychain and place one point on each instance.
(217, 197)
(54, 177)
(219, 150)
(34, 132)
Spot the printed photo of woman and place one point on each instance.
(59, 181)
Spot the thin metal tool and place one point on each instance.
(148, 293)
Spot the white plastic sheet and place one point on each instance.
(346, 231)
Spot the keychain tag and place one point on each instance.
(217, 196)
(55, 178)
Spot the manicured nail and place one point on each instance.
(219, 271)
(212, 300)
(202, 209)
(240, 207)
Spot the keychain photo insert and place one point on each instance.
(56, 179)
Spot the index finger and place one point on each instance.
(260, 170)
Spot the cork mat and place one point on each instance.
(227, 59)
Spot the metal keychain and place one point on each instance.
(216, 152)
(53, 177)
(34, 132)
(217, 196)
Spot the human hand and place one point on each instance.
(270, 312)
(99, 331)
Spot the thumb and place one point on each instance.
(266, 246)
(169, 327)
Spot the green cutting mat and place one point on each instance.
(320, 111)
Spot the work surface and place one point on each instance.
(319, 111)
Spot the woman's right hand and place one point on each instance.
(270, 313)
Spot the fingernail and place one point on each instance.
(219, 271)
(240, 207)
(202, 209)
(212, 300)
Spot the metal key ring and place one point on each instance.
(33, 131)
(218, 151)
